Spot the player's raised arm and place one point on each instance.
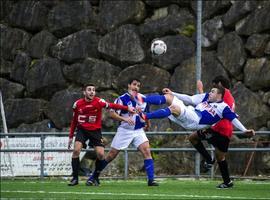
(106, 104)
(200, 86)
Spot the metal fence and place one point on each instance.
(43, 135)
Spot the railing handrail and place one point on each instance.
(167, 149)
(152, 133)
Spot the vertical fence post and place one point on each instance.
(126, 164)
(42, 145)
(198, 70)
(198, 41)
(197, 165)
(212, 169)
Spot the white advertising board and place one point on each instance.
(28, 163)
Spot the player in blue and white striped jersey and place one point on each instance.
(203, 110)
(131, 130)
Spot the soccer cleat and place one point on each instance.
(92, 182)
(73, 182)
(152, 183)
(206, 166)
(225, 185)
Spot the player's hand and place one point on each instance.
(129, 121)
(132, 110)
(70, 142)
(200, 86)
(138, 110)
(146, 128)
(249, 133)
(167, 91)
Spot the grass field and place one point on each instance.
(133, 189)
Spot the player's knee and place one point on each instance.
(147, 154)
(100, 156)
(76, 153)
(175, 110)
(193, 138)
(169, 98)
(220, 156)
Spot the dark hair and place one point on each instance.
(87, 85)
(224, 81)
(133, 79)
(221, 90)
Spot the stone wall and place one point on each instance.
(50, 48)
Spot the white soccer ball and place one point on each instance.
(158, 47)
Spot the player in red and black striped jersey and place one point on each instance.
(87, 116)
(218, 135)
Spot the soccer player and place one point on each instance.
(87, 115)
(203, 110)
(130, 131)
(218, 135)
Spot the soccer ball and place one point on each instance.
(158, 47)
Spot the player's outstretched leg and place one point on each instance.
(151, 99)
(93, 180)
(160, 113)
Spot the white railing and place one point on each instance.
(42, 148)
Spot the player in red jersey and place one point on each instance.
(87, 116)
(218, 135)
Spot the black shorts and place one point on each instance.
(94, 137)
(216, 139)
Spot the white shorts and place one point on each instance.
(189, 118)
(124, 137)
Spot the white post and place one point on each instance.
(198, 70)
(198, 41)
(5, 130)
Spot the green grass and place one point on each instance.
(133, 189)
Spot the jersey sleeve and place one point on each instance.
(190, 100)
(74, 121)
(228, 114)
(198, 98)
(105, 104)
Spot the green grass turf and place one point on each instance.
(133, 189)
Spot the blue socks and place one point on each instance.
(149, 167)
(161, 113)
(155, 99)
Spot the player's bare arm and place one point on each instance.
(115, 116)
(200, 86)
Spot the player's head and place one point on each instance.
(134, 85)
(222, 81)
(216, 94)
(89, 91)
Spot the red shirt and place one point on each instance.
(88, 114)
(224, 126)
